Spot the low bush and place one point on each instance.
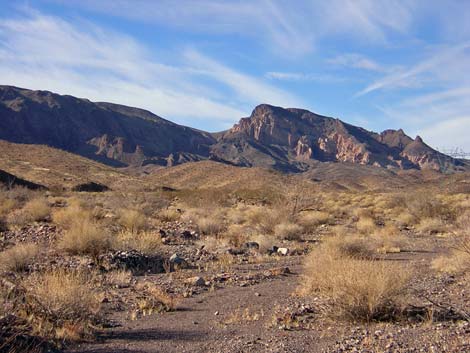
(288, 231)
(85, 237)
(62, 304)
(18, 257)
(133, 220)
(356, 289)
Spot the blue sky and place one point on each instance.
(207, 63)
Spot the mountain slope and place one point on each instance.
(110, 133)
(292, 139)
(272, 137)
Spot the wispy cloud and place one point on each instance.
(444, 59)
(79, 58)
(356, 61)
(300, 76)
(283, 26)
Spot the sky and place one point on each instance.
(207, 63)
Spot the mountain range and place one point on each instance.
(285, 139)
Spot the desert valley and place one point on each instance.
(121, 231)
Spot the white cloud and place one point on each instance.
(441, 65)
(300, 76)
(45, 52)
(287, 28)
(356, 61)
(448, 134)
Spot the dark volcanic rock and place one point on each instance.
(90, 187)
(10, 180)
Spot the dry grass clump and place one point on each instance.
(85, 237)
(169, 215)
(310, 220)
(62, 304)
(133, 220)
(431, 226)
(18, 257)
(236, 234)
(356, 289)
(366, 225)
(75, 210)
(34, 210)
(288, 231)
(459, 259)
(210, 225)
(6, 205)
(424, 205)
(119, 278)
(38, 209)
(145, 242)
(153, 300)
(353, 246)
(265, 219)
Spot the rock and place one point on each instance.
(175, 259)
(196, 281)
(252, 245)
(257, 294)
(216, 313)
(273, 250)
(283, 251)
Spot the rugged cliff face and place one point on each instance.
(110, 133)
(285, 139)
(292, 138)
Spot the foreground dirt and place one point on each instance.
(268, 317)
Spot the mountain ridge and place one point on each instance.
(286, 139)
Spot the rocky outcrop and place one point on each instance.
(291, 139)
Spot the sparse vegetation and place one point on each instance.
(85, 237)
(356, 289)
(18, 257)
(133, 220)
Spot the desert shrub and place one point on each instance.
(404, 219)
(454, 263)
(38, 209)
(144, 242)
(133, 220)
(119, 278)
(366, 225)
(288, 231)
(360, 290)
(66, 216)
(265, 219)
(18, 257)
(350, 245)
(34, 210)
(431, 226)
(310, 220)
(153, 299)
(389, 240)
(210, 225)
(62, 304)
(85, 237)
(6, 205)
(425, 205)
(237, 235)
(459, 259)
(169, 215)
